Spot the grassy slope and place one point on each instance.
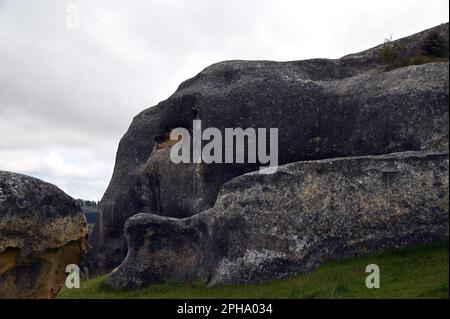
(416, 272)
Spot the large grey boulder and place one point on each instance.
(42, 230)
(265, 227)
(322, 108)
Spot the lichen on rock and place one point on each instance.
(265, 227)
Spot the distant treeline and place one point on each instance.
(87, 203)
(90, 210)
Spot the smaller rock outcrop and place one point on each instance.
(265, 227)
(42, 230)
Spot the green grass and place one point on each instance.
(415, 272)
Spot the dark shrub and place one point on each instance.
(435, 45)
(434, 48)
(390, 52)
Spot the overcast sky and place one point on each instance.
(67, 94)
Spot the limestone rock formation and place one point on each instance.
(265, 227)
(42, 230)
(323, 109)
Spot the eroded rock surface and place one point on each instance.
(264, 227)
(322, 108)
(42, 230)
